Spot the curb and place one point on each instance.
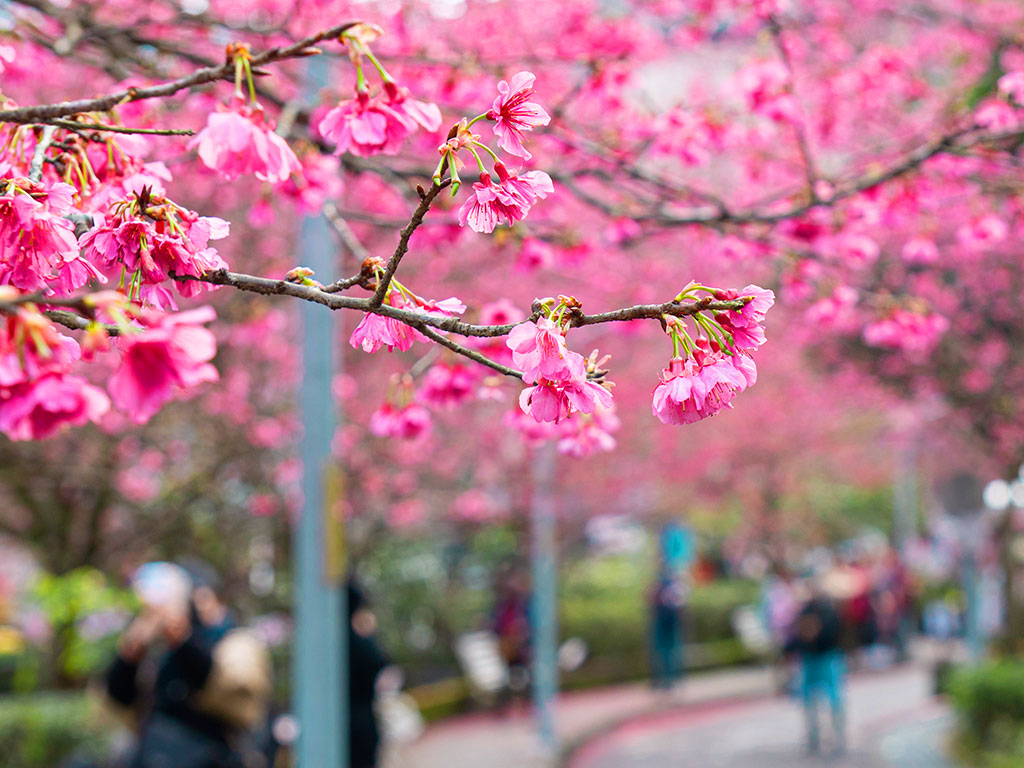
(577, 747)
(591, 739)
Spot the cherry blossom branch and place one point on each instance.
(65, 317)
(467, 352)
(76, 322)
(384, 284)
(348, 237)
(85, 127)
(948, 143)
(41, 113)
(273, 287)
(35, 169)
(799, 127)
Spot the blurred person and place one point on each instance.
(858, 613)
(366, 661)
(510, 621)
(780, 604)
(816, 641)
(196, 706)
(668, 599)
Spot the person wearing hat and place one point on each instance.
(211, 681)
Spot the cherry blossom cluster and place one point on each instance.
(510, 198)
(709, 368)
(561, 379)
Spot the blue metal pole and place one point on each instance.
(545, 597)
(320, 646)
(972, 618)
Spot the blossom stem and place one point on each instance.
(248, 77)
(387, 78)
(361, 85)
(675, 342)
(713, 330)
(490, 151)
(688, 343)
(239, 67)
(479, 162)
(476, 119)
(436, 177)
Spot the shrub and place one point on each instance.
(989, 703)
(40, 730)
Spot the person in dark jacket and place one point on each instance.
(667, 602)
(173, 733)
(366, 662)
(816, 639)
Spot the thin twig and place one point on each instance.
(35, 170)
(799, 125)
(76, 126)
(77, 322)
(472, 354)
(384, 284)
(43, 112)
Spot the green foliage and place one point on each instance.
(85, 612)
(40, 730)
(429, 592)
(989, 703)
(605, 602)
(844, 510)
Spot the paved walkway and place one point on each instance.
(509, 741)
(893, 722)
(726, 719)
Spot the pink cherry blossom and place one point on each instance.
(534, 254)
(490, 205)
(445, 386)
(539, 351)
(367, 126)
(239, 141)
(37, 409)
(909, 331)
(35, 237)
(695, 389)
(153, 249)
(527, 187)
(31, 346)
(545, 401)
(857, 250)
(424, 113)
(1012, 84)
(745, 323)
(409, 423)
(679, 397)
(377, 331)
(983, 233)
(172, 352)
(514, 113)
(997, 116)
(585, 436)
(920, 250)
(834, 310)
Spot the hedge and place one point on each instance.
(989, 704)
(40, 730)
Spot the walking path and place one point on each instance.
(893, 722)
(509, 741)
(728, 719)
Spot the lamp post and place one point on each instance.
(320, 647)
(963, 498)
(1005, 498)
(545, 596)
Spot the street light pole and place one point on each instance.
(545, 597)
(905, 493)
(320, 648)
